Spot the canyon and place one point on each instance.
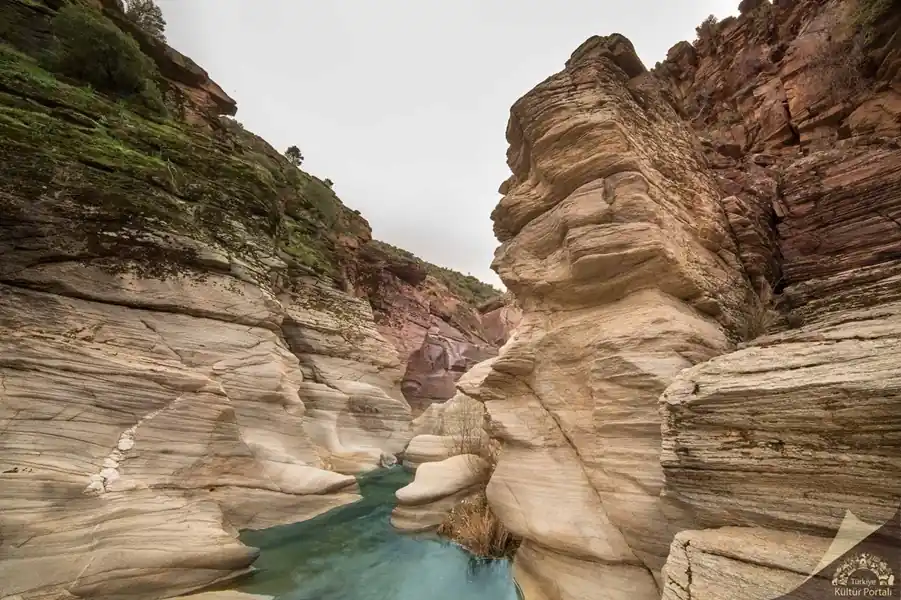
(694, 378)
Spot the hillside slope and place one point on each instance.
(195, 335)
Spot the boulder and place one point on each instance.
(436, 489)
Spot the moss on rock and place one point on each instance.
(106, 175)
(466, 287)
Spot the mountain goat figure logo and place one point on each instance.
(860, 563)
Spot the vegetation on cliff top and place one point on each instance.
(82, 114)
(92, 50)
(466, 287)
(148, 16)
(119, 171)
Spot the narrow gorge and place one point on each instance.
(691, 389)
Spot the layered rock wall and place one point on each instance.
(707, 260)
(616, 246)
(438, 334)
(792, 432)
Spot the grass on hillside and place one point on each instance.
(225, 186)
(466, 287)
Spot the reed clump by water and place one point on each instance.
(472, 523)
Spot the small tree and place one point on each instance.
(148, 16)
(707, 28)
(294, 156)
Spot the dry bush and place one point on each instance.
(464, 423)
(763, 314)
(840, 65)
(473, 525)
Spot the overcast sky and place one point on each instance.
(404, 103)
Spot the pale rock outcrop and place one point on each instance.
(758, 564)
(121, 423)
(354, 408)
(193, 339)
(427, 447)
(436, 489)
(641, 254)
(617, 250)
(794, 430)
(445, 429)
(173, 338)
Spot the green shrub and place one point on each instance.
(90, 48)
(707, 29)
(870, 13)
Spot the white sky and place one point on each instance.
(404, 103)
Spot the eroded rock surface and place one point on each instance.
(810, 155)
(445, 429)
(620, 255)
(186, 345)
(437, 333)
(437, 488)
(711, 247)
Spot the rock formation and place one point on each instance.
(455, 426)
(190, 341)
(802, 130)
(437, 488)
(440, 322)
(707, 259)
(616, 247)
(451, 454)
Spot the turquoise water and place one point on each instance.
(353, 553)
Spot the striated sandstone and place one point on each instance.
(796, 428)
(759, 564)
(118, 418)
(436, 489)
(654, 220)
(620, 255)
